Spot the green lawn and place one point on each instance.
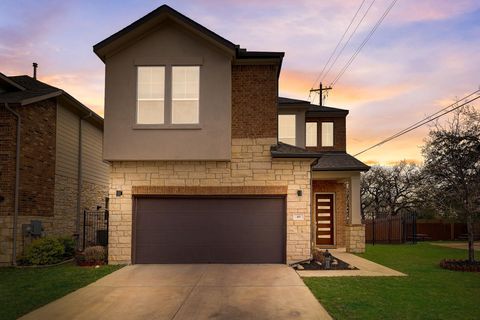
(428, 292)
(25, 289)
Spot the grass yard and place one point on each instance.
(25, 289)
(428, 292)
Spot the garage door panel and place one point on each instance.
(204, 230)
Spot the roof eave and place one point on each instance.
(163, 12)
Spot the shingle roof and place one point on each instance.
(312, 109)
(326, 161)
(339, 161)
(283, 150)
(33, 89)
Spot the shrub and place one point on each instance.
(48, 250)
(69, 246)
(95, 254)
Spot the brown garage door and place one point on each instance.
(209, 230)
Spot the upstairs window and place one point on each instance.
(286, 128)
(327, 134)
(311, 134)
(185, 94)
(150, 95)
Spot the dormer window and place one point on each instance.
(168, 95)
(286, 128)
(327, 134)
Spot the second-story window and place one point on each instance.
(151, 95)
(327, 134)
(185, 94)
(311, 134)
(286, 128)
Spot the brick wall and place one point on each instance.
(340, 205)
(254, 101)
(37, 159)
(251, 165)
(7, 161)
(340, 134)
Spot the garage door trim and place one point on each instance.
(135, 198)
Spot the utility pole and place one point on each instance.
(320, 92)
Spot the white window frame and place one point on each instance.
(168, 102)
(324, 142)
(307, 132)
(294, 129)
(141, 99)
(172, 99)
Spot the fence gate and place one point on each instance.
(95, 228)
(400, 228)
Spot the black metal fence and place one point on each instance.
(95, 228)
(400, 228)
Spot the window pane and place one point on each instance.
(150, 111)
(327, 134)
(185, 111)
(311, 134)
(286, 128)
(150, 95)
(185, 94)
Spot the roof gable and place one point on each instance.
(149, 22)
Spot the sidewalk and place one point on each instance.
(366, 268)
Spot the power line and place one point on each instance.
(363, 43)
(339, 42)
(424, 121)
(348, 40)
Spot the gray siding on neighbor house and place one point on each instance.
(94, 169)
(67, 142)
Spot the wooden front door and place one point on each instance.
(324, 217)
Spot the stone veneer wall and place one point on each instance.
(63, 221)
(339, 190)
(355, 238)
(251, 165)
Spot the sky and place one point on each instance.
(422, 57)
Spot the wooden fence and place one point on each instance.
(407, 228)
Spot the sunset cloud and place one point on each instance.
(422, 57)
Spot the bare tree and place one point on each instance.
(389, 190)
(452, 169)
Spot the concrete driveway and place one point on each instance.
(190, 292)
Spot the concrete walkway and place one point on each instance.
(190, 292)
(366, 268)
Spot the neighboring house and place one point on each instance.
(60, 153)
(199, 173)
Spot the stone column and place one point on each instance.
(355, 216)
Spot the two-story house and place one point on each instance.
(51, 164)
(208, 164)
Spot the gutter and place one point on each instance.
(80, 172)
(17, 183)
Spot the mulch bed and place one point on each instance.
(316, 265)
(460, 265)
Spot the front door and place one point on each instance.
(324, 217)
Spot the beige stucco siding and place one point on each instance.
(168, 45)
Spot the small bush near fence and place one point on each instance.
(94, 255)
(48, 250)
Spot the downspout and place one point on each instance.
(80, 174)
(17, 183)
